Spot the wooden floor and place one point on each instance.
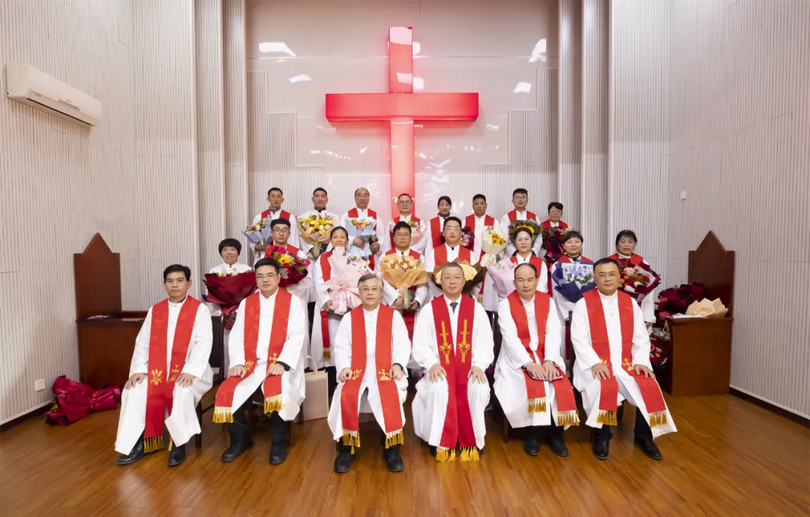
(728, 458)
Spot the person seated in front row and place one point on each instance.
(371, 351)
(453, 342)
(613, 364)
(168, 375)
(266, 351)
(530, 380)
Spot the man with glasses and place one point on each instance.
(405, 207)
(266, 351)
(520, 199)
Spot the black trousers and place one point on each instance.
(239, 429)
(641, 430)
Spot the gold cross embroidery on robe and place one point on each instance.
(175, 373)
(356, 374)
(248, 365)
(272, 360)
(464, 346)
(446, 347)
(628, 365)
(156, 377)
(384, 375)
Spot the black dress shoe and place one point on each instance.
(134, 455)
(601, 448)
(558, 447)
(393, 460)
(531, 445)
(278, 453)
(177, 455)
(432, 450)
(343, 462)
(649, 448)
(233, 452)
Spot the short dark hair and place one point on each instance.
(404, 194)
(232, 243)
(445, 198)
(177, 268)
(555, 204)
(626, 233)
(275, 189)
(528, 265)
(320, 189)
(338, 228)
(523, 229)
(572, 234)
(603, 261)
(276, 222)
(480, 196)
(399, 226)
(452, 218)
(520, 190)
(358, 189)
(267, 261)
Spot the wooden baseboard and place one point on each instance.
(771, 407)
(36, 412)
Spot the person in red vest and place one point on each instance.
(282, 231)
(479, 220)
(520, 199)
(448, 252)
(392, 297)
(275, 198)
(435, 226)
(613, 364)
(168, 375)
(419, 227)
(626, 257)
(555, 211)
(361, 214)
(530, 380)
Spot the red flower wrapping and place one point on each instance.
(228, 292)
(293, 269)
(75, 400)
(552, 243)
(675, 300)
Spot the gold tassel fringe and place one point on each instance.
(445, 455)
(607, 418)
(568, 418)
(658, 418)
(272, 404)
(223, 415)
(395, 438)
(469, 454)
(537, 405)
(170, 443)
(327, 354)
(153, 444)
(352, 438)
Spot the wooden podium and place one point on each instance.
(105, 344)
(700, 350)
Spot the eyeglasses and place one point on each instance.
(371, 289)
(268, 276)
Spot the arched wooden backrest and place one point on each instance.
(711, 265)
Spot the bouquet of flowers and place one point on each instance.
(472, 274)
(293, 269)
(404, 274)
(676, 300)
(552, 243)
(347, 269)
(363, 228)
(468, 237)
(417, 230)
(573, 279)
(502, 274)
(228, 291)
(493, 243)
(75, 400)
(638, 281)
(532, 226)
(316, 230)
(257, 233)
(659, 354)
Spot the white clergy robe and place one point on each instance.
(293, 239)
(306, 247)
(521, 216)
(292, 381)
(390, 294)
(369, 392)
(333, 321)
(452, 254)
(182, 424)
(430, 404)
(490, 297)
(584, 382)
(418, 246)
(379, 230)
(510, 382)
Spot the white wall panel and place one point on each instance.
(570, 111)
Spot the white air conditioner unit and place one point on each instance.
(28, 85)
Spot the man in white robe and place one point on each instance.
(370, 246)
(520, 200)
(369, 376)
(275, 198)
(515, 363)
(478, 221)
(420, 230)
(628, 363)
(448, 252)
(249, 357)
(466, 349)
(190, 375)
